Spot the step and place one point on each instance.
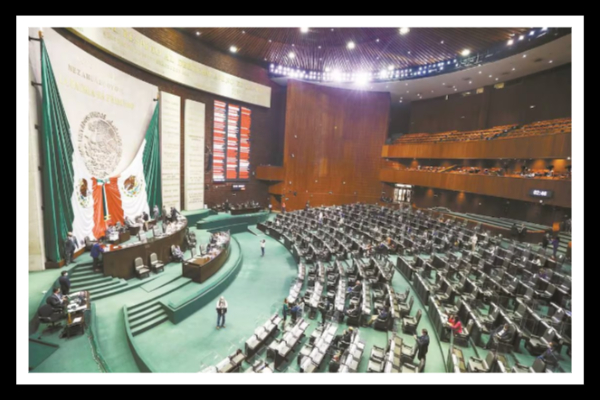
(150, 324)
(98, 291)
(116, 290)
(83, 268)
(146, 311)
(85, 273)
(156, 314)
(77, 288)
(159, 293)
(141, 310)
(87, 280)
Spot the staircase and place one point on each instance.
(83, 277)
(150, 312)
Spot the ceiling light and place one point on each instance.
(510, 42)
(544, 29)
(480, 72)
(319, 46)
(514, 68)
(336, 75)
(270, 41)
(532, 106)
(351, 45)
(377, 40)
(304, 30)
(407, 92)
(466, 52)
(409, 52)
(531, 33)
(404, 31)
(470, 82)
(291, 55)
(233, 49)
(293, 45)
(331, 29)
(442, 42)
(550, 62)
(400, 101)
(197, 33)
(496, 78)
(524, 55)
(455, 89)
(327, 69)
(244, 32)
(521, 37)
(490, 76)
(390, 67)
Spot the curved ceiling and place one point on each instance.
(374, 48)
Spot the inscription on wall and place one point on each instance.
(170, 151)
(194, 155)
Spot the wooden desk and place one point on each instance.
(200, 269)
(245, 210)
(118, 260)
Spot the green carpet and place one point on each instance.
(39, 351)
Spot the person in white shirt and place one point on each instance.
(262, 247)
(473, 242)
(221, 311)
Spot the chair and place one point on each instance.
(405, 308)
(401, 297)
(353, 320)
(141, 270)
(408, 353)
(376, 359)
(155, 264)
(538, 366)
(479, 365)
(410, 368)
(462, 339)
(382, 324)
(410, 324)
(538, 344)
(47, 315)
(89, 243)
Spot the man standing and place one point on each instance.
(64, 282)
(155, 212)
(270, 208)
(97, 249)
(423, 345)
(283, 207)
(262, 247)
(473, 242)
(554, 246)
(70, 247)
(221, 311)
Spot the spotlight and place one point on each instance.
(304, 30)
(390, 68)
(351, 45)
(510, 42)
(291, 55)
(524, 55)
(531, 33)
(404, 31)
(233, 49)
(465, 53)
(521, 37)
(197, 33)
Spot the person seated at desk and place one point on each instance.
(356, 290)
(130, 224)
(174, 214)
(346, 337)
(296, 311)
(549, 356)
(353, 311)
(453, 325)
(56, 300)
(139, 220)
(501, 334)
(177, 253)
(334, 364)
(383, 314)
(155, 212)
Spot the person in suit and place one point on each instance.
(501, 334)
(334, 364)
(283, 207)
(221, 311)
(383, 314)
(549, 356)
(95, 252)
(70, 247)
(56, 300)
(353, 311)
(422, 346)
(356, 290)
(65, 283)
(155, 212)
(164, 214)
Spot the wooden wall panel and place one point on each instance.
(497, 186)
(548, 91)
(551, 146)
(270, 173)
(487, 205)
(333, 140)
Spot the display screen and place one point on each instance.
(231, 142)
(238, 187)
(544, 194)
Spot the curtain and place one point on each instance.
(151, 161)
(57, 167)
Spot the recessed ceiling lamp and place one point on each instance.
(197, 33)
(465, 52)
(304, 30)
(350, 45)
(524, 55)
(514, 69)
(233, 49)
(291, 54)
(244, 32)
(521, 37)
(319, 46)
(404, 31)
(377, 40)
(510, 42)
(442, 42)
(390, 67)
(550, 62)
